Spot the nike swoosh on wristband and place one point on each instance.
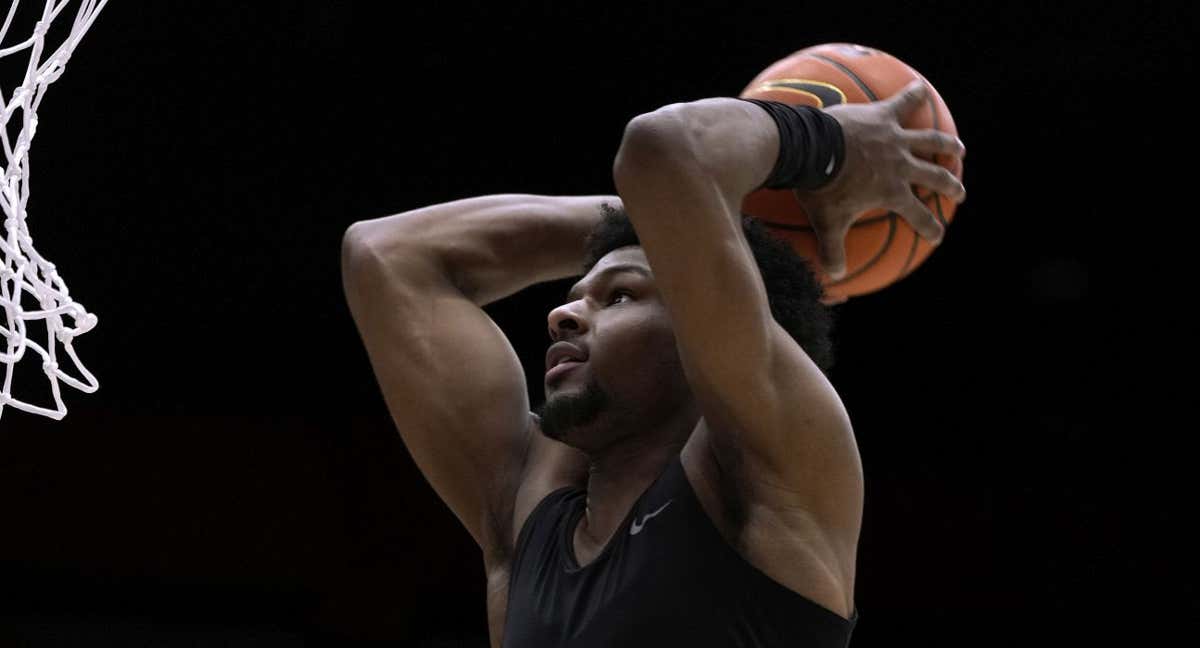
(637, 528)
(832, 159)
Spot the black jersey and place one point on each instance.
(666, 578)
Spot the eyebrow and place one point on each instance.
(612, 269)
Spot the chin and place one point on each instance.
(573, 413)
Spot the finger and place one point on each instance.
(909, 99)
(932, 142)
(921, 219)
(937, 178)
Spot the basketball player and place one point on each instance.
(692, 478)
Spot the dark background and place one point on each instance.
(237, 481)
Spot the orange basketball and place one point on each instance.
(881, 247)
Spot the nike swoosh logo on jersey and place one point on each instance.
(637, 527)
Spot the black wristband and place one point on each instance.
(811, 146)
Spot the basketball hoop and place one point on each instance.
(24, 272)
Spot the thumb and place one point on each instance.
(832, 247)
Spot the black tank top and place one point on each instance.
(666, 578)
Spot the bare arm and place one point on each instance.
(415, 283)
(683, 172)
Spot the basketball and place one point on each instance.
(881, 247)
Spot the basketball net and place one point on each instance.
(24, 272)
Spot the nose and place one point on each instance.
(567, 320)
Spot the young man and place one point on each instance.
(692, 478)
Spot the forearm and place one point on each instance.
(490, 246)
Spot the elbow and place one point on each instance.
(364, 272)
(356, 250)
(351, 239)
(652, 141)
(352, 242)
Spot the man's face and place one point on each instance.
(631, 373)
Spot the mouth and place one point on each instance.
(559, 370)
(563, 352)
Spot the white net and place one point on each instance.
(25, 274)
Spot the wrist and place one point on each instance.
(811, 146)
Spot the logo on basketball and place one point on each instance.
(823, 94)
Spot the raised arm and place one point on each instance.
(683, 172)
(415, 283)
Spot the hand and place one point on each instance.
(878, 173)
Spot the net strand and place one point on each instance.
(24, 273)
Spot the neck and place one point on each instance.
(619, 474)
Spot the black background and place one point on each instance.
(237, 480)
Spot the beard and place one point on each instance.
(564, 413)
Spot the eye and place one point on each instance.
(616, 294)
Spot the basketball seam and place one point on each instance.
(912, 253)
(850, 73)
(891, 218)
